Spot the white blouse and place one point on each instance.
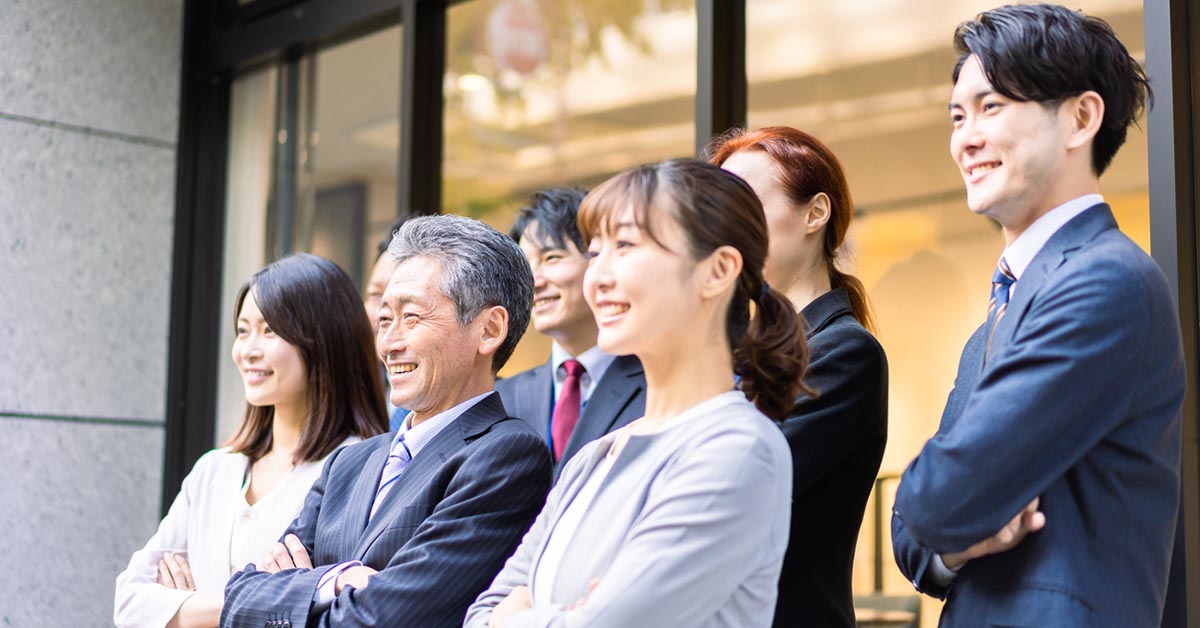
(213, 526)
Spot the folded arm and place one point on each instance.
(700, 537)
(463, 543)
(1044, 401)
(253, 597)
(140, 599)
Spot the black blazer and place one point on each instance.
(440, 535)
(617, 399)
(837, 442)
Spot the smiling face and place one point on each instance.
(430, 358)
(1011, 154)
(273, 371)
(644, 295)
(559, 308)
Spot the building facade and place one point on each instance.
(158, 152)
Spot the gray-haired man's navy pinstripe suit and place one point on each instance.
(441, 535)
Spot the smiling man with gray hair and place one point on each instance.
(407, 528)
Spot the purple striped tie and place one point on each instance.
(397, 461)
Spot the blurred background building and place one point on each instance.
(157, 152)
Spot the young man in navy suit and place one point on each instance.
(1048, 496)
(581, 393)
(406, 528)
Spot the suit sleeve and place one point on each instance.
(140, 602)
(912, 558)
(699, 536)
(459, 548)
(254, 597)
(1046, 398)
(849, 372)
(914, 561)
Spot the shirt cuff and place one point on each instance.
(940, 573)
(326, 591)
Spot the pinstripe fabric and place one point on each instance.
(440, 534)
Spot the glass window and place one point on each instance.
(544, 94)
(313, 156)
(872, 79)
(252, 139)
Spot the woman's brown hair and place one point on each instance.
(716, 208)
(312, 304)
(806, 168)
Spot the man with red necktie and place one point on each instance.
(581, 393)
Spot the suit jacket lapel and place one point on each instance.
(415, 479)
(613, 392)
(539, 395)
(366, 484)
(1072, 236)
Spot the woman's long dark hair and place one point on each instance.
(717, 208)
(806, 168)
(312, 304)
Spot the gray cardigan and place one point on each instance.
(688, 528)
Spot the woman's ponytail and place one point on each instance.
(771, 357)
(855, 291)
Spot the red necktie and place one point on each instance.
(566, 411)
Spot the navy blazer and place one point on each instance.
(1078, 404)
(617, 399)
(440, 536)
(837, 440)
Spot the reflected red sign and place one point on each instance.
(516, 35)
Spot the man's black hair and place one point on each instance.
(551, 213)
(1046, 53)
(391, 231)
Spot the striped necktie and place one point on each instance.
(397, 461)
(1002, 281)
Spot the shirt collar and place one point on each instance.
(1021, 252)
(594, 361)
(418, 436)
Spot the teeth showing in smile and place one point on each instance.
(613, 309)
(544, 301)
(398, 369)
(982, 168)
(257, 372)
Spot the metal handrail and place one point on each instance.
(878, 557)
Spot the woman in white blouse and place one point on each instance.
(681, 517)
(305, 351)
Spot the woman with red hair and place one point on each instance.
(837, 436)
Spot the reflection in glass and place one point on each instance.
(312, 167)
(251, 142)
(554, 93)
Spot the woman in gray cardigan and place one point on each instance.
(680, 518)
